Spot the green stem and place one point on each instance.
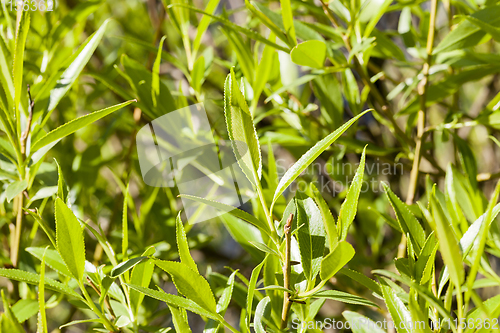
(287, 272)
(109, 326)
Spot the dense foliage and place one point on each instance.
(372, 136)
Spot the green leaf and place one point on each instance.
(15, 188)
(176, 301)
(493, 31)
(52, 259)
(468, 34)
(7, 85)
(241, 130)
(231, 210)
(42, 317)
(448, 244)
(360, 323)
(306, 159)
(212, 325)
(344, 297)
(25, 309)
(182, 245)
(141, 276)
(311, 236)
(407, 221)
(251, 289)
(45, 227)
(362, 279)
(204, 23)
(155, 79)
(62, 188)
(311, 53)
(190, 284)
(179, 318)
(32, 278)
(263, 71)
(77, 63)
(327, 217)
(336, 259)
(21, 34)
(264, 248)
(126, 266)
(9, 321)
(69, 238)
(250, 33)
(399, 313)
(198, 74)
(126, 197)
(350, 204)
(286, 12)
(74, 125)
(260, 314)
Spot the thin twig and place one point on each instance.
(287, 271)
(422, 91)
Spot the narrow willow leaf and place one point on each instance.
(267, 21)
(176, 301)
(74, 125)
(126, 196)
(190, 284)
(141, 276)
(21, 34)
(212, 325)
(198, 74)
(45, 227)
(25, 309)
(264, 248)
(15, 188)
(344, 297)
(62, 188)
(42, 317)
(260, 314)
(250, 33)
(251, 289)
(478, 252)
(6, 83)
(337, 259)
(231, 210)
(78, 62)
(328, 220)
(422, 291)
(478, 315)
(407, 221)
(311, 236)
(362, 279)
(179, 318)
(69, 238)
(182, 245)
(241, 130)
(350, 204)
(84, 321)
(32, 278)
(468, 34)
(286, 12)
(448, 244)
(155, 79)
(126, 266)
(8, 320)
(306, 159)
(203, 25)
(399, 313)
(360, 323)
(311, 53)
(263, 71)
(52, 259)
